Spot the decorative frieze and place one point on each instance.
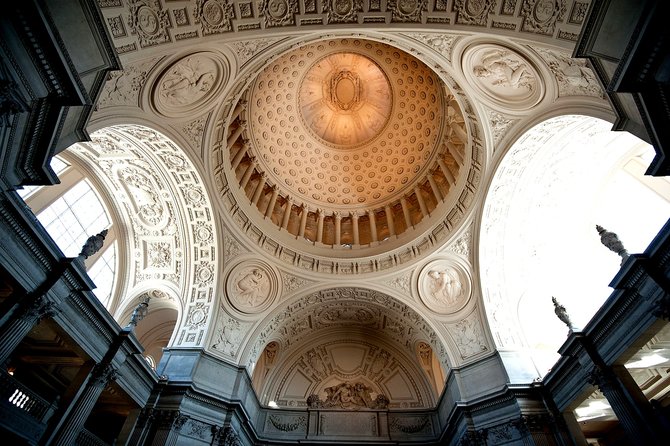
(403, 11)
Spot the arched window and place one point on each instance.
(71, 212)
(538, 237)
(73, 217)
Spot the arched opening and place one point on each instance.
(538, 238)
(140, 186)
(347, 349)
(74, 210)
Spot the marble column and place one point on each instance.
(354, 225)
(445, 170)
(240, 154)
(319, 226)
(373, 225)
(628, 403)
(405, 212)
(271, 203)
(434, 187)
(236, 133)
(389, 220)
(422, 203)
(287, 213)
(260, 186)
(303, 221)
(247, 173)
(338, 228)
(22, 321)
(81, 408)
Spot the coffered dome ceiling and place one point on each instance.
(347, 142)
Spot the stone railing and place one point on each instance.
(25, 399)
(85, 438)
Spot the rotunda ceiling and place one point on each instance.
(346, 143)
(345, 123)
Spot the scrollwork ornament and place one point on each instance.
(179, 422)
(287, 426)
(102, 374)
(11, 99)
(601, 378)
(662, 310)
(41, 308)
(229, 437)
(197, 316)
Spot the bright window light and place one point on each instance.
(647, 361)
(102, 273)
(57, 165)
(74, 217)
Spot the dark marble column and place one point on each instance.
(81, 408)
(168, 423)
(24, 319)
(628, 403)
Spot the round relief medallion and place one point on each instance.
(277, 8)
(407, 6)
(212, 12)
(147, 20)
(343, 7)
(544, 10)
(251, 286)
(475, 7)
(189, 85)
(504, 76)
(444, 286)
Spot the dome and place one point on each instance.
(347, 142)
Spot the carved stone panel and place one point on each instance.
(149, 22)
(572, 75)
(503, 75)
(444, 286)
(189, 85)
(468, 335)
(252, 286)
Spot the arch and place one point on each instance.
(366, 322)
(171, 236)
(538, 228)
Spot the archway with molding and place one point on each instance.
(344, 335)
(170, 241)
(538, 238)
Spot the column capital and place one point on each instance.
(102, 373)
(41, 308)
